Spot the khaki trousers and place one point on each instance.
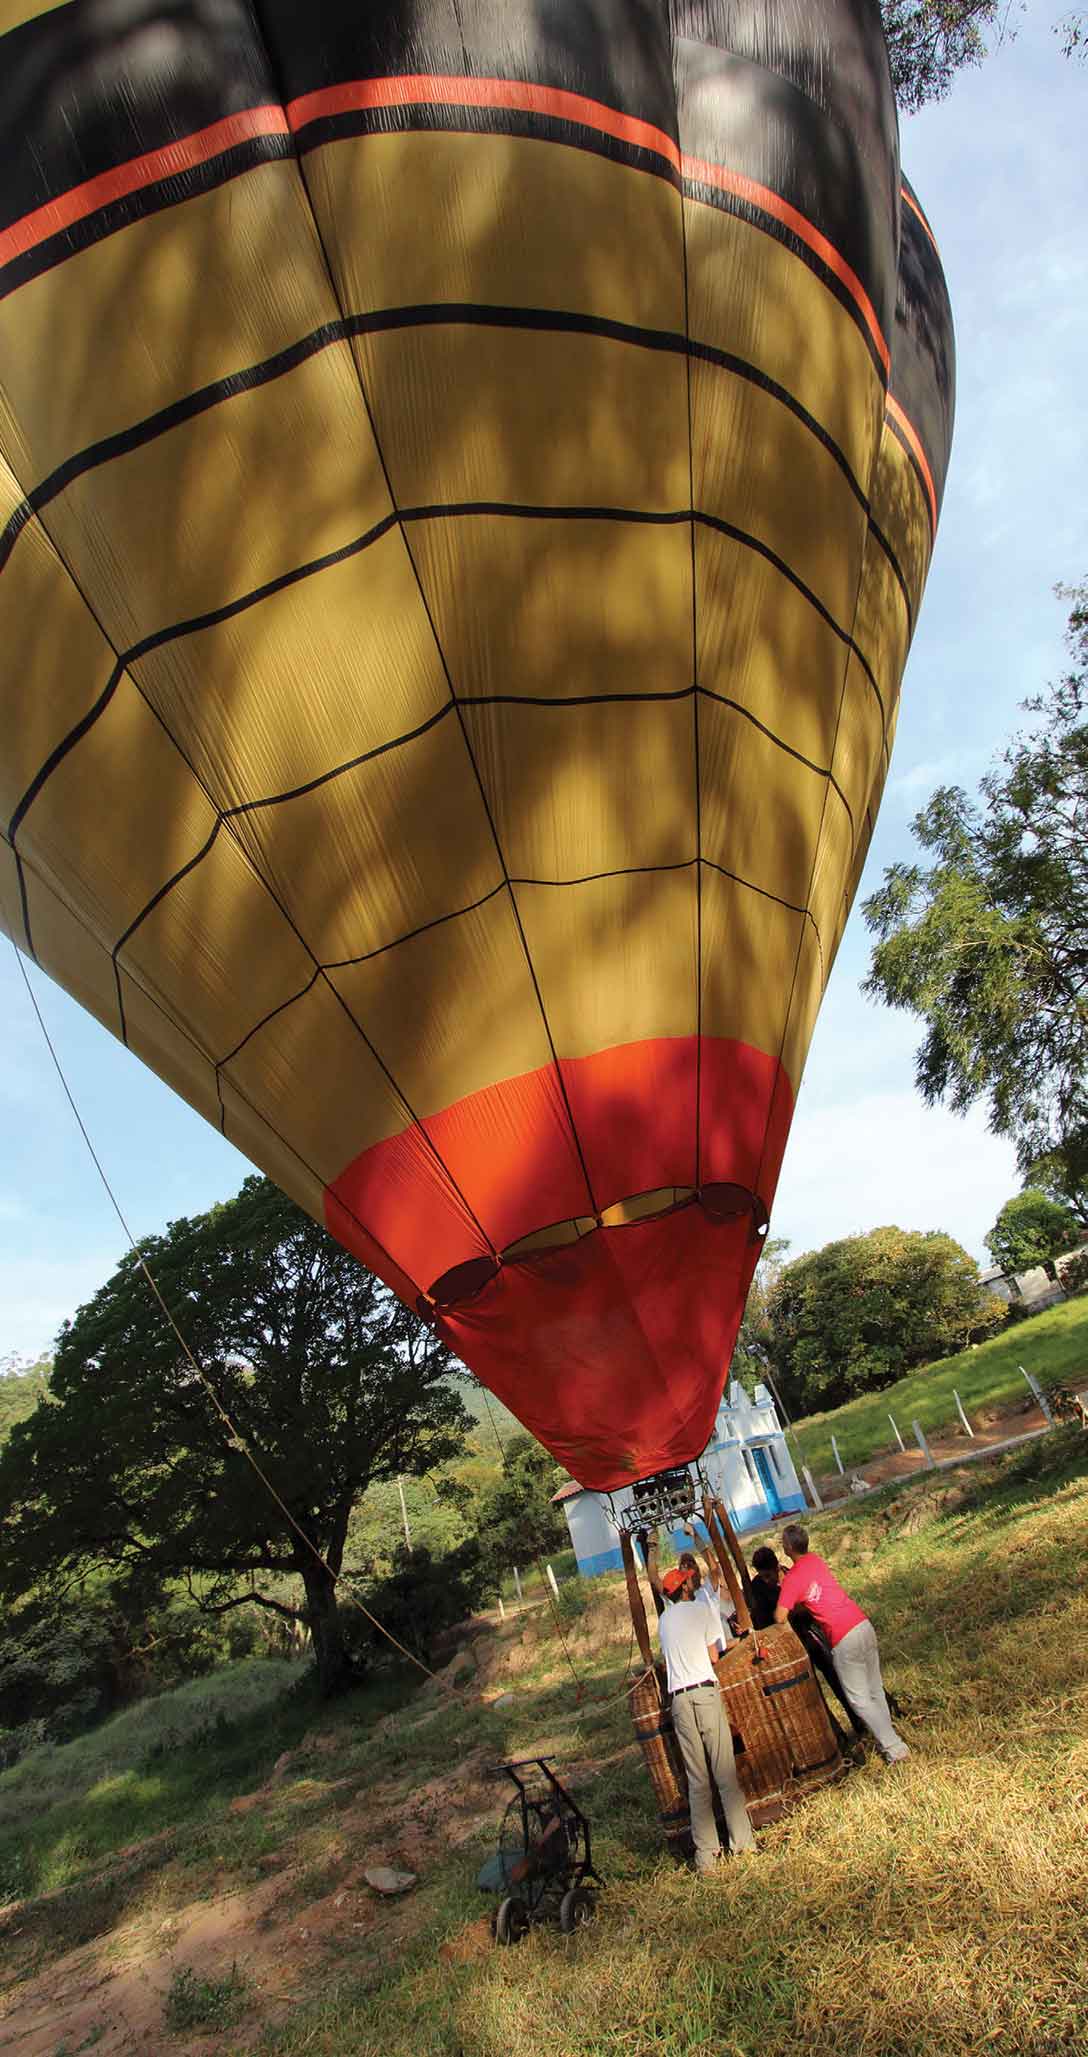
(706, 1747)
(857, 1660)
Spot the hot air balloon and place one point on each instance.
(468, 471)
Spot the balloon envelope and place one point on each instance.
(467, 479)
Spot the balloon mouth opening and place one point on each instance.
(720, 1201)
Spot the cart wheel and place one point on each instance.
(512, 1920)
(576, 1908)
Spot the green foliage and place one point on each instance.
(855, 1315)
(193, 2002)
(326, 1379)
(753, 1344)
(421, 1598)
(20, 1392)
(929, 41)
(515, 1516)
(1031, 1229)
(988, 946)
(1053, 1345)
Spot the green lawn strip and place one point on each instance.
(1053, 1346)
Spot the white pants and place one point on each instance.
(857, 1660)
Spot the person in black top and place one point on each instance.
(762, 1602)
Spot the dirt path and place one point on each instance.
(991, 1427)
(110, 1994)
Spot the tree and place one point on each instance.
(20, 1392)
(326, 1379)
(929, 41)
(988, 946)
(1031, 1229)
(753, 1337)
(1063, 1176)
(856, 1315)
(515, 1516)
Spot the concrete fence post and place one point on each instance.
(811, 1484)
(922, 1444)
(962, 1415)
(898, 1437)
(502, 1610)
(838, 1459)
(517, 1582)
(1039, 1395)
(552, 1581)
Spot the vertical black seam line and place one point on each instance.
(335, 291)
(274, 74)
(695, 697)
(851, 648)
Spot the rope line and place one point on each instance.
(237, 1442)
(234, 1439)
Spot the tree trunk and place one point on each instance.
(326, 1629)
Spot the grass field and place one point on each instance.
(1053, 1346)
(936, 1908)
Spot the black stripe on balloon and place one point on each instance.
(459, 510)
(756, 217)
(139, 206)
(892, 425)
(473, 907)
(244, 157)
(897, 570)
(455, 118)
(727, 528)
(438, 314)
(68, 742)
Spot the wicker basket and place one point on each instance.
(661, 1756)
(784, 1744)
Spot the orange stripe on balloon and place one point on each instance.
(915, 209)
(423, 89)
(706, 174)
(172, 161)
(914, 444)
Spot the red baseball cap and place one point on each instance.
(673, 1580)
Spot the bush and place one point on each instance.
(422, 1597)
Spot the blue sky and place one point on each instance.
(1001, 168)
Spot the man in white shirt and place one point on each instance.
(689, 1642)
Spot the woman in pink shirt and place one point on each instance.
(851, 1634)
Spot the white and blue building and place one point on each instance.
(746, 1463)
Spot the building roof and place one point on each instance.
(567, 1492)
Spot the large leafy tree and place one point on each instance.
(1031, 1229)
(515, 1516)
(988, 943)
(327, 1380)
(856, 1315)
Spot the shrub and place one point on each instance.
(194, 2002)
(421, 1598)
